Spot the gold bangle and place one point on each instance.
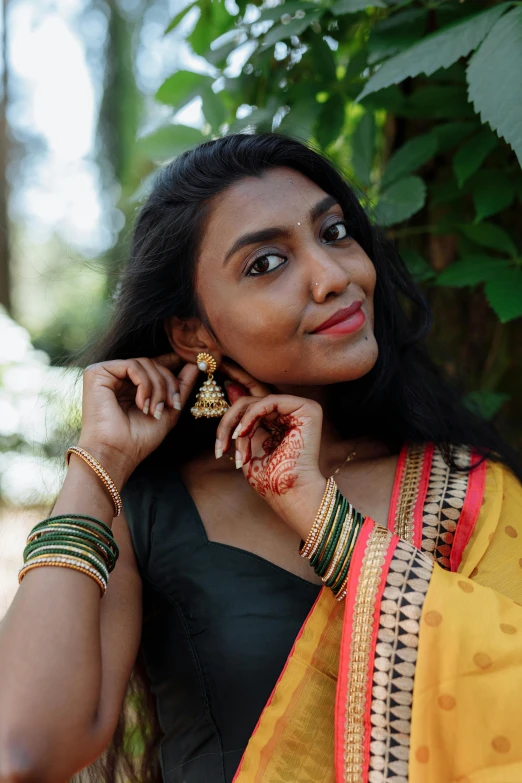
(328, 510)
(312, 540)
(45, 549)
(100, 472)
(63, 562)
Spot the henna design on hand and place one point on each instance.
(273, 473)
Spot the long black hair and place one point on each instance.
(404, 398)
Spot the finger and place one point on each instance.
(136, 373)
(158, 395)
(283, 405)
(229, 422)
(236, 373)
(186, 380)
(170, 360)
(173, 396)
(235, 391)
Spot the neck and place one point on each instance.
(334, 448)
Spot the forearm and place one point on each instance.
(50, 648)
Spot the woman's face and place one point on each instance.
(268, 297)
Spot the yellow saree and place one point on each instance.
(417, 675)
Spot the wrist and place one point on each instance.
(300, 510)
(112, 460)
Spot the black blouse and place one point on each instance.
(218, 625)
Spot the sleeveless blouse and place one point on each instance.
(218, 625)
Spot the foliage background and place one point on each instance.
(418, 102)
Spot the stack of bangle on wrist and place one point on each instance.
(76, 541)
(331, 541)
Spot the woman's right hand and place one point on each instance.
(129, 406)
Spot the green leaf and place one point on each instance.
(177, 19)
(331, 120)
(504, 294)
(472, 270)
(301, 118)
(489, 235)
(351, 6)
(485, 403)
(400, 201)
(444, 192)
(452, 133)
(213, 108)
(419, 268)
(494, 79)
(472, 154)
(409, 158)
(169, 141)
(181, 87)
(438, 50)
(363, 147)
(492, 192)
(438, 100)
(295, 27)
(395, 33)
(213, 22)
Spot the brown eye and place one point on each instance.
(344, 232)
(260, 266)
(264, 264)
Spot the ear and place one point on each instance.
(189, 336)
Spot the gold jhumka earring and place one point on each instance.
(210, 400)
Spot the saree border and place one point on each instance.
(471, 509)
(386, 593)
(410, 486)
(353, 700)
(434, 507)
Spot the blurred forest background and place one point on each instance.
(419, 102)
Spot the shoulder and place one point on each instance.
(494, 553)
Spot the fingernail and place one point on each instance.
(236, 432)
(219, 449)
(158, 410)
(177, 401)
(239, 460)
(146, 406)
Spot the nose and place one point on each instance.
(328, 278)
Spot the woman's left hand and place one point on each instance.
(278, 437)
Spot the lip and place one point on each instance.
(342, 316)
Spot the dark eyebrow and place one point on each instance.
(265, 234)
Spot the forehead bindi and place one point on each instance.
(282, 196)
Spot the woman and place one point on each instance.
(254, 256)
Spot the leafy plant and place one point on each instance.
(418, 102)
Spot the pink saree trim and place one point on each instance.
(421, 495)
(397, 482)
(470, 510)
(345, 658)
(280, 677)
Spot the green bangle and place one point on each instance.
(317, 556)
(351, 516)
(109, 538)
(322, 569)
(105, 527)
(72, 528)
(358, 522)
(97, 546)
(73, 552)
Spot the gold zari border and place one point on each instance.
(363, 620)
(408, 494)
